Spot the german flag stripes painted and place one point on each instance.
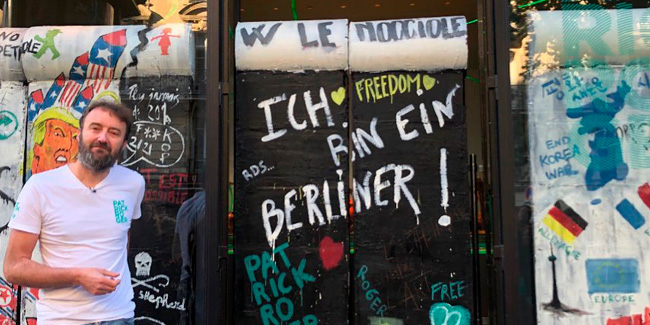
(565, 222)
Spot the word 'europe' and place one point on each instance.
(268, 288)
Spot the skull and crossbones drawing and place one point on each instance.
(143, 264)
(143, 268)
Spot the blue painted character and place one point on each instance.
(606, 154)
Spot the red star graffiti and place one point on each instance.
(5, 296)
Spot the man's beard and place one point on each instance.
(88, 159)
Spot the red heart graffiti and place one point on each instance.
(331, 253)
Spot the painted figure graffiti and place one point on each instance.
(55, 135)
(165, 40)
(606, 154)
(47, 44)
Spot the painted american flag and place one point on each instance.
(103, 59)
(76, 79)
(54, 92)
(83, 99)
(34, 104)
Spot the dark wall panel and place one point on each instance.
(412, 219)
(290, 198)
(160, 148)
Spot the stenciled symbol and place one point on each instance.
(331, 253)
(47, 43)
(428, 82)
(146, 283)
(338, 96)
(8, 124)
(5, 296)
(165, 40)
(446, 314)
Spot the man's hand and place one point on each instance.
(20, 269)
(97, 281)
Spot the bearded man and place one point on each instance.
(80, 213)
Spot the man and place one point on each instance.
(55, 140)
(81, 214)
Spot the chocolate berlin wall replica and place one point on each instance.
(588, 136)
(291, 213)
(12, 141)
(411, 195)
(150, 69)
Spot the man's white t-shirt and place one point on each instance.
(82, 227)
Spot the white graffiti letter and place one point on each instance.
(312, 109)
(447, 109)
(288, 207)
(335, 149)
(266, 105)
(401, 124)
(400, 187)
(311, 195)
(269, 211)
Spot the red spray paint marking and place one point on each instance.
(331, 253)
(644, 194)
(636, 319)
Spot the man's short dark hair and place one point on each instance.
(121, 111)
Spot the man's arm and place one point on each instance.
(20, 269)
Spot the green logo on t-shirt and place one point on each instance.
(120, 207)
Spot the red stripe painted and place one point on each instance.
(73, 94)
(644, 194)
(110, 78)
(76, 91)
(565, 221)
(92, 71)
(101, 74)
(66, 90)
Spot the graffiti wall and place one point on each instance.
(12, 138)
(411, 222)
(397, 223)
(149, 69)
(291, 212)
(588, 129)
(160, 148)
